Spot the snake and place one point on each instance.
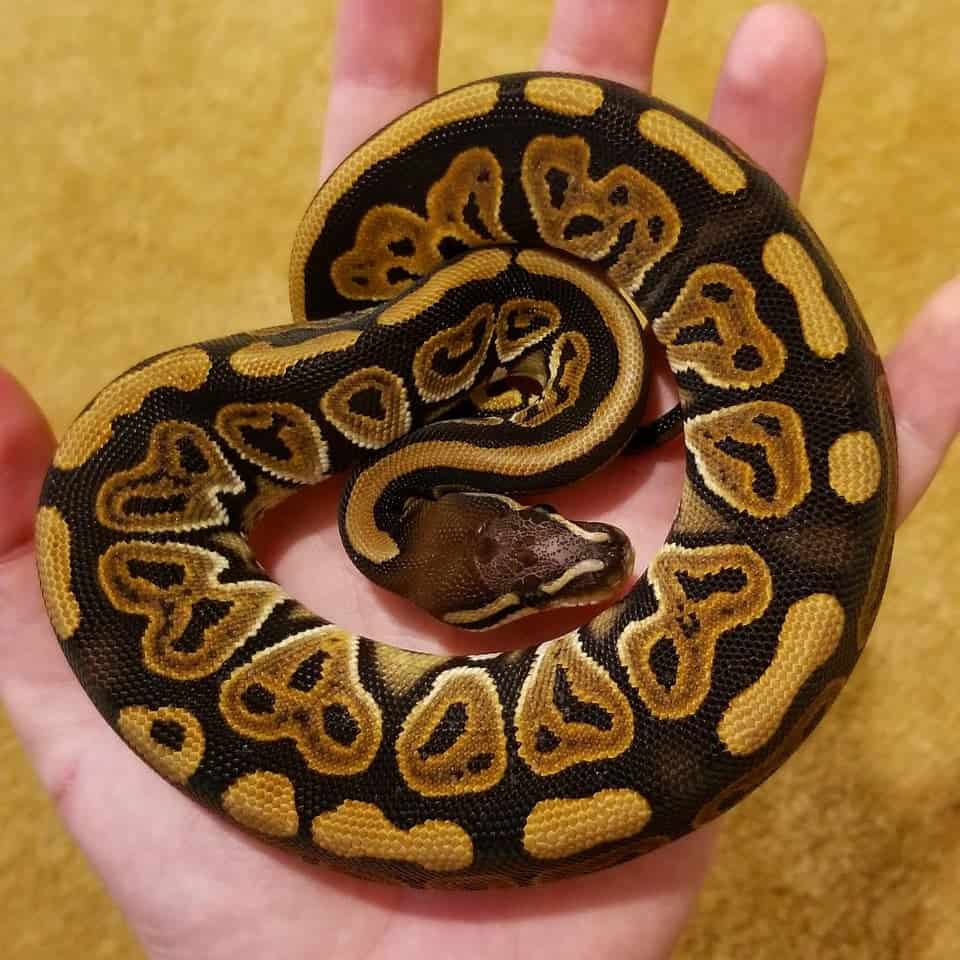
(477, 295)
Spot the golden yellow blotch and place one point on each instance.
(377, 546)
(551, 734)
(713, 328)
(170, 739)
(307, 688)
(356, 829)
(810, 634)
(734, 792)
(714, 163)
(606, 620)
(184, 369)
(401, 670)
(788, 262)
(851, 307)
(307, 460)
(502, 398)
(268, 495)
(696, 515)
(718, 442)
(262, 358)
(481, 265)
(856, 467)
(394, 245)
(702, 592)
(499, 404)
(236, 550)
(369, 407)
(562, 828)
(586, 217)
(569, 362)
(176, 486)
(194, 622)
(521, 323)
(453, 740)
(449, 361)
(264, 802)
(53, 564)
(474, 100)
(567, 95)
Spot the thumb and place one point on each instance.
(44, 702)
(26, 446)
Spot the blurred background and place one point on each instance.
(157, 158)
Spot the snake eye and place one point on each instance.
(527, 557)
(539, 515)
(485, 549)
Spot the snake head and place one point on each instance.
(521, 560)
(478, 560)
(550, 561)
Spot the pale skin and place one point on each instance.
(192, 886)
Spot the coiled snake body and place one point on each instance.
(575, 214)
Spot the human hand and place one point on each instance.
(192, 886)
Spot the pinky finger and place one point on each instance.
(921, 372)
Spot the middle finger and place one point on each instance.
(616, 39)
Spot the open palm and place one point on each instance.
(192, 886)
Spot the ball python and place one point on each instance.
(474, 292)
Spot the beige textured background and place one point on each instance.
(157, 157)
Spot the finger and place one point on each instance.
(616, 39)
(26, 446)
(384, 63)
(769, 87)
(52, 716)
(922, 376)
(36, 685)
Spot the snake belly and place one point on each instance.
(602, 744)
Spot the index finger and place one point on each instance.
(384, 62)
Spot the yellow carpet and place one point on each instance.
(157, 159)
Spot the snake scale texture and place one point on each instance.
(473, 292)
